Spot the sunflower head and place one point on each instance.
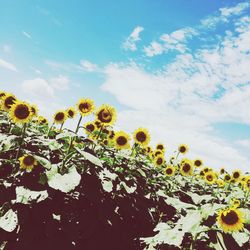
(159, 161)
(236, 175)
(27, 162)
(170, 170)
(160, 147)
(246, 183)
(86, 106)
(183, 148)
(106, 115)
(222, 171)
(89, 127)
(220, 183)
(186, 167)
(34, 110)
(20, 112)
(121, 140)
(230, 220)
(235, 203)
(7, 101)
(71, 112)
(60, 117)
(210, 177)
(198, 163)
(141, 136)
(2, 94)
(227, 177)
(42, 120)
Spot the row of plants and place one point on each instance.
(96, 187)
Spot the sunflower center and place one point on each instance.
(84, 106)
(70, 113)
(9, 101)
(227, 177)
(231, 218)
(59, 116)
(121, 140)
(182, 149)
(209, 177)
(169, 170)
(236, 175)
(29, 160)
(159, 161)
(90, 127)
(186, 167)
(197, 163)
(22, 111)
(141, 136)
(105, 116)
(160, 147)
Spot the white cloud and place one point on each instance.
(26, 34)
(236, 10)
(61, 82)
(37, 71)
(38, 88)
(244, 143)
(130, 43)
(7, 65)
(88, 66)
(154, 49)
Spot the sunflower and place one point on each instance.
(71, 112)
(34, 110)
(161, 147)
(85, 106)
(106, 114)
(210, 177)
(89, 127)
(2, 94)
(235, 203)
(141, 136)
(246, 183)
(7, 101)
(186, 167)
(158, 152)
(198, 163)
(159, 161)
(60, 117)
(236, 175)
(230, 220)
(20, 112)
(121, 140)
(111, 134)
(183, 148)
(27, 162)
(220, 183)
(170, 170)
(148, 149)
(222, 171)
(227, 177)
(42, 120)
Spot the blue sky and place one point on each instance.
(180, 68)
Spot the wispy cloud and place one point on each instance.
(89, 66)
(134, 37)
(26, 34)
(7, 65)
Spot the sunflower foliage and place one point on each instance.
(108, 189)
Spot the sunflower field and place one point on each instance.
(97, 188)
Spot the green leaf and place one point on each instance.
(96, 161)
(241, 237)
(9, 221)
(246, 214)
(44, 162)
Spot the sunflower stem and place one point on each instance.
(61, 127)
(78, 125)
(98, 136)
(50, 129)
(21, 141)
(245, 200)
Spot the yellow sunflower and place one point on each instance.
(111, 134)
(2, 94)
(161, 147)
(236, 175)
(227, 177)
(220, 183)
(34, 110)
(235, 203)
(71, 112)
(210, 177)
(121, 140)
(186, 167)
(230, 220)
(246, 183)
(141, 136)
(106, 114)
(159, 161)
(170, 170)
(198, 163)
(20, 112)
(158, 152)
(89, 127)
(60, 117)
(42, 120)
(183, 148)
(86, 106)
(7, 101)
(222, 171)
(27, 162)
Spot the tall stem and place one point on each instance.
(21, 142)
(50, 129)
(61, 126)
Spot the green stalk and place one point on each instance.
(50, 129)
(61, 127)
(21, 142)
